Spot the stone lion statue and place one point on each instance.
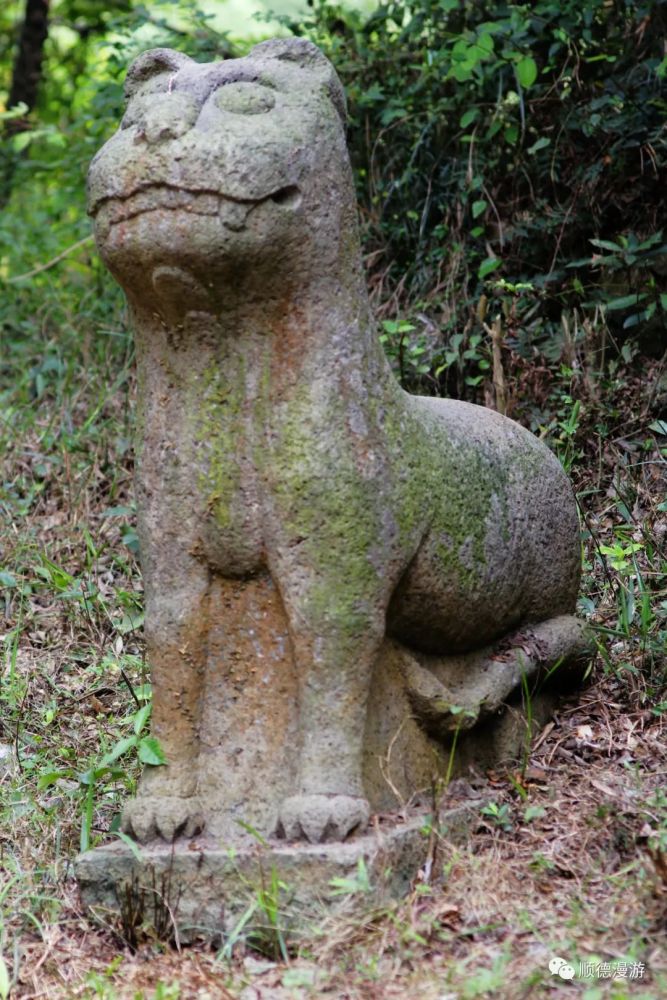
(301, 518)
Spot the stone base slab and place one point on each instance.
(196, 889)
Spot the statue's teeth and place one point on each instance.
(233, 214)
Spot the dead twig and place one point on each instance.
(50, 263)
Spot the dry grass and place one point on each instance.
(574, 863)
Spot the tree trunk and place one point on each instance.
(28, 63)
(26, 78)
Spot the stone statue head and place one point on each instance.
(223, 175)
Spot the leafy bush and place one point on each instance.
(502, 140)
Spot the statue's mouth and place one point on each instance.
(232, 212)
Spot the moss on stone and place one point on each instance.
(215, 402)
(330, 512)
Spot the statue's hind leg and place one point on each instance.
(453, 693)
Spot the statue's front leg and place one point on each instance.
(334, 670)
(167, 803)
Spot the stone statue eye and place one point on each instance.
(134, 114)
(245, 98)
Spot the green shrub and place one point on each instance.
(499, 141)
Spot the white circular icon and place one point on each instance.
(556, 964)
(566, 971)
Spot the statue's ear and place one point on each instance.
(151, 63)
(306, 55)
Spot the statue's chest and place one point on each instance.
(224, 432)
(231, 508)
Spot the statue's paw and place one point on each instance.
(162, 817)
(322, 817)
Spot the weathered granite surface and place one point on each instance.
(338, 575)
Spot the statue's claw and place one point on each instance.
(322, 817)
(166, 817)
